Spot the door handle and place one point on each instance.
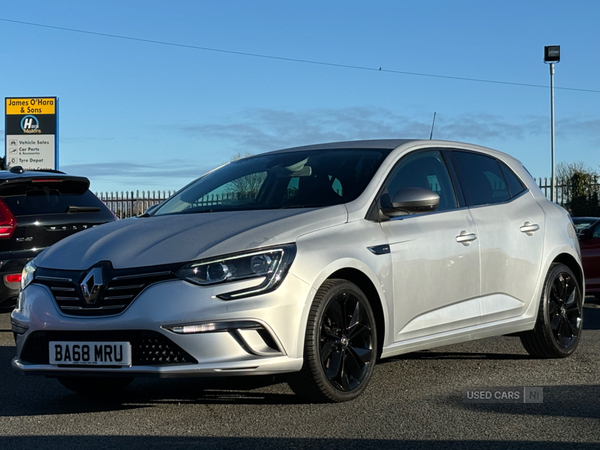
(465, 238)
(529, 228)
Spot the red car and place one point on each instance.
(589, 241)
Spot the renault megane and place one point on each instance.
(312, 261)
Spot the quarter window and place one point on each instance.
(514, 184)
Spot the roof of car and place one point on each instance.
(382, 144)
(387, 144)
(13, 182)
(8, 175)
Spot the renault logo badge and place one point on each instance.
(91, 285)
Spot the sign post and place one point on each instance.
(552, 56)
(31, 128)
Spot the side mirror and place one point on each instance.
(409, 201)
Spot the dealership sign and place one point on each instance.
(31, 127)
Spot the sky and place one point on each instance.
(154, 94)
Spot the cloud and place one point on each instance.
(267, 129)
(133, 170)
(170, 175)
(256, 130)
(581, 127)
(481, 127)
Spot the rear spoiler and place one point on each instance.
(38, 182)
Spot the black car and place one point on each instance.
(38, 209)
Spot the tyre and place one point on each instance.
(560, 317)
(95, 386)
(340, 347)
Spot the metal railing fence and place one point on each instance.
(129, 203)
(564, 192)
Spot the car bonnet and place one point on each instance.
(168, 239)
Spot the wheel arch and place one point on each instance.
(365, 284)
(571, 263)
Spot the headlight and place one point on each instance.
(28, 274)
(270, 264)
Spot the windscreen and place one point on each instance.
(301, 179)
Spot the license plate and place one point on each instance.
(90, 353)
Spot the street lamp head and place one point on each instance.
(552, 54)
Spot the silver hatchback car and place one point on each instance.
(312, 261)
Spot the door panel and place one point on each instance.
(435, 257)
(436, 277)
(511, 240)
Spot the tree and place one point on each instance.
(564, 171)
(247, 186)
(582, 183)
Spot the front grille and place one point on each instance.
(118, 289)
(148, 348)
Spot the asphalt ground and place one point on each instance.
(416, 401)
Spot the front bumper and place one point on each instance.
(175, 329)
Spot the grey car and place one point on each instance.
(311, 262)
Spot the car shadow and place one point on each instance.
(591, 315)
(500, 348)
(38, 395)
(427, 354)
(35, 395)
(227, 390)
(573, 401)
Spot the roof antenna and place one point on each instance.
(432, 125)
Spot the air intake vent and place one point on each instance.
(148, 348)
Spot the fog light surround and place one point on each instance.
(251, 336)
(211, 327)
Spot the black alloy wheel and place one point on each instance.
(340, 345)
(560, 318)
(346, 342)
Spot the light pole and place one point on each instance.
(551, 56)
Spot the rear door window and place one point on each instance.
(482, 179)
